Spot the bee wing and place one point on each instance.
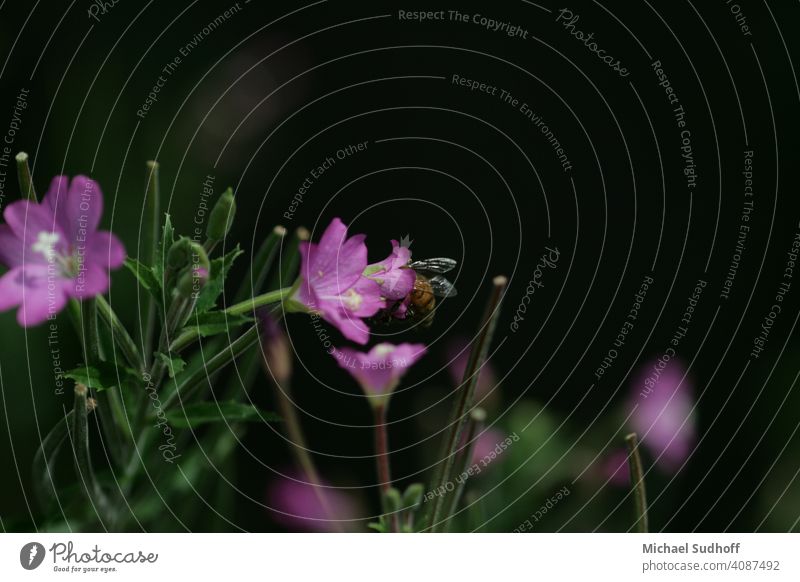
(442, 287)
(436, 266)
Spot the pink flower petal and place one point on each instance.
(106, 250)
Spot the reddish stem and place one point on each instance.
(382, 461)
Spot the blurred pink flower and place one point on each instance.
(298, 505)
(395, 278)
(332, 281)
(486, 444)
(379, 371)
(614, 468)
(54, 250)
(458, 356)
(663, 415)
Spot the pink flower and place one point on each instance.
(299, 505)
(332, 281)
(380, 370)
(664, 417)
(486, 444)
(54, 251)
(395, 278)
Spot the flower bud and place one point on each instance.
(221, 218)
(179, 254)
(275, 347)
(195, 277)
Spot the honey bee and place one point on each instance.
(421, 302)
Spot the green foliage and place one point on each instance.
(102, 376)
(220, 267)
(211, 323)
(194, 415)
(167, 239)
(175, 365)
(146, 277)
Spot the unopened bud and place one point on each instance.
(221, 218)
(275, 347)
(179, 254)
(412, 498)
(195, 277)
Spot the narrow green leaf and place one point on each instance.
(201, 413)
(167, 238)
(212, 323)
(146, 277)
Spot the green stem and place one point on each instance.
(91, 334)
(290, 260)
(260, 265)
(474, 427)
(239, 346)
(383, 465)
(120, 335)
(150, 249)
(80, 448)
(465, 396)
(299, 448)
(251, 305)
(25, 177)
(637, 482)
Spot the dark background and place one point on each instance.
(267, 96)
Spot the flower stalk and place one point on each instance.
(25, 177)
(383, 465)
(465, 397)
(250, 305)
(637, 482)
(477, 420)
(149, 249)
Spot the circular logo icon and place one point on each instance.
(31, 555)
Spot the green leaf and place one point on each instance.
(146, 277)
(174, 365)
(195, 415)
(212, 323)
(216, 282)
(167, 238)
(102, 375)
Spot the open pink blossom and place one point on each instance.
(332, 281)
(380, 370)
(302, 506)
(395, 278)
(54, 251)
(663, 417)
